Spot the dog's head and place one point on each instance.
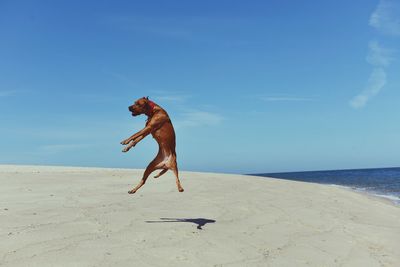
(141, 106)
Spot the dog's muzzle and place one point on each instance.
(132, 111)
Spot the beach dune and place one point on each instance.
(67, 216)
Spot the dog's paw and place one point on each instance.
(126, 149)
(131, 192)
(125, 142)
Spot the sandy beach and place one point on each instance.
(61, 216)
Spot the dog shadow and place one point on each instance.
(199, 221)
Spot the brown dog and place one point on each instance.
(160, 127)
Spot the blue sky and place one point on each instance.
(251, 86)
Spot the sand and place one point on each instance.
(59, 216)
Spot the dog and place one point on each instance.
(159, 125)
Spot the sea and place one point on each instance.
(381, 182)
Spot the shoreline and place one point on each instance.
(389, 199)
(348, 181)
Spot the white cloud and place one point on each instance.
(378, 55)
(375, 83)
(197, 29)
(199, 118)
(171, 98)
(386, 17)
(5, 93)
(285, 98)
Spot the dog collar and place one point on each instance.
(151, 105)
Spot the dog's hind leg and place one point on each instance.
(174, 168)
(154, 165)
(161, 173)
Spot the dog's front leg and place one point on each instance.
(128, 146)
(132, 143)
(137, 138)
(133, 137)
(128, 140)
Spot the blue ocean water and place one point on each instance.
(383, 182)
